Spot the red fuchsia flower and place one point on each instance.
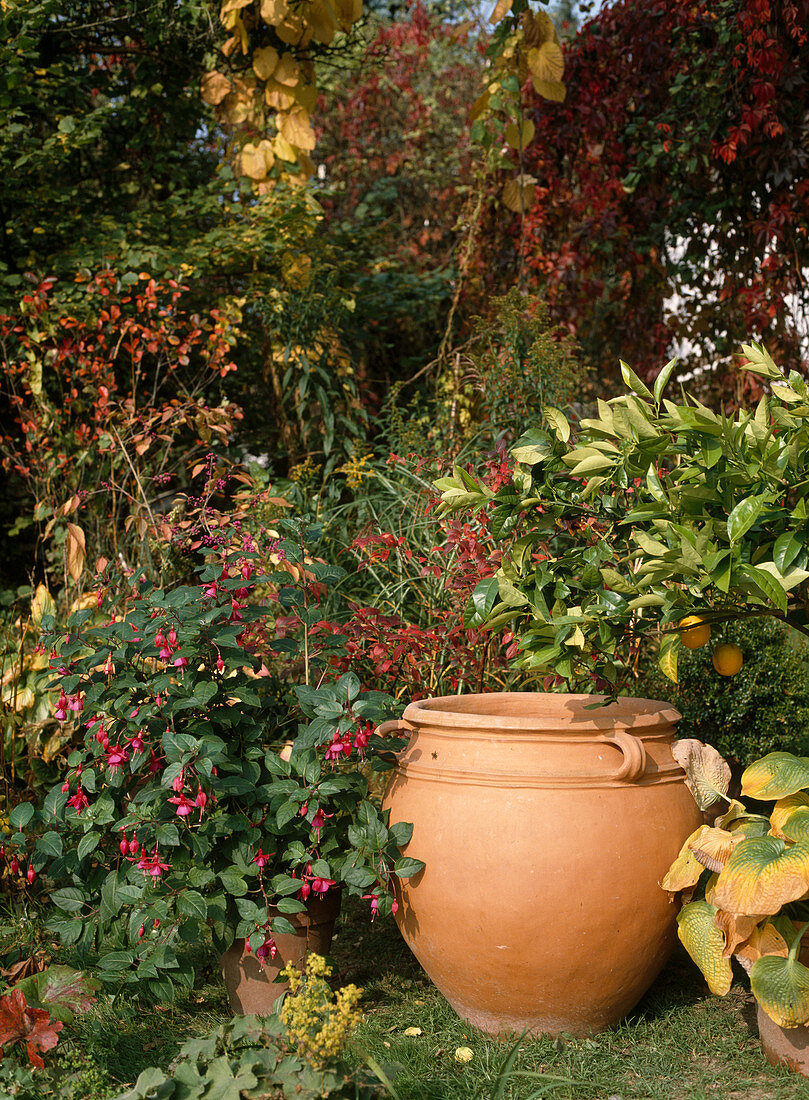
(322, 885)
(220, 665)
(362, 737)
(124, 845)
(268, 949)
(184, 805)
(305, 890)
(178, 782)
(30, 874)
(201, 801)
(60, 712)
(172, 637)
(261, 859)
(247, 572)
(340, 745)
(116, 756)
(319, 820)
(79, 801)
(74, 703)
(155, 764)
(159, 640)
(101, 736)
(137, 744)
(165, 653)
(180, 662)
(209, 590)
(66, 787)
(374, 899)
(15, 866)
(152, 866)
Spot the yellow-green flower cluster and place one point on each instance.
(318, 1020)
(357, 470)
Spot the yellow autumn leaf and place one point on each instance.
(265, 62)
(41, 604)
(501, 8)
(776, 775)
(713, 847)
(548, 89)
(737, 927)
(479, 106)
(762, 875)
(294, 31)
(347, 12)
(546, 62)
(736, 811)
(537, 28)
(287, 72)
(296, 127)
(306, 95)
(236, 107)
(784, 808)
(231, 6)
(256, 160)
(277, 96)
(321, 18)
(764, 940)
(686, 869)
(519, 135)
(274, 11)
(464, 1054)
(705, 943)
(214, 87)
(75, 550)
(283, 150)
(411, 1032)
(518, 194)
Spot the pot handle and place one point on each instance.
(634, 754)
(393, 725)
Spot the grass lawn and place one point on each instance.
(680, 1042)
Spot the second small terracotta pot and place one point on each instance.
(253, 989)
(784, 1046)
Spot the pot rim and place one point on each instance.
(566, 714)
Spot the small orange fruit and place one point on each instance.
(727, 659)
(695, 632)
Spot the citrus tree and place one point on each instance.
(654, 521)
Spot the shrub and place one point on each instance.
(764, 708)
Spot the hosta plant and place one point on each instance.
(183, 808)
(617, 527)
(745, 880)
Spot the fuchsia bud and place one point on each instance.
(30, 874)
(178, 782)
(305, 890)
(201, 800)
(133, 844)
(141, 932)
(220, 665)
(66, 787)
(124, 845)
(15, 867)
(159, 640)
(172, 637)
(247, 572)
(101, 736)
(247, 948)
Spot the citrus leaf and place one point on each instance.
(743, 516)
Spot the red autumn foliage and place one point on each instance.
(19, 1022)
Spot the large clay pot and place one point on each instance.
(545, 827)
(253, 989)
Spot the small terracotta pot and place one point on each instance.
(252, 989)
(784, 1046)
(545, 826)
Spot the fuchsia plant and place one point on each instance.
(180, 810)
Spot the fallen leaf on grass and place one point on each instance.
(32, 1026)
(412, 1031)
(23, 969)
(463, 1054)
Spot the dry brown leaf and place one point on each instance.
(274, 11)
(706, 771)
(306, 95)
(214, 88)
(347, 12)
(479, 106)
(738, 929)
(537, 28)
(75, 550)
(713, 847)
(519, 136)
(321, 18)
(501, 8)
(763, 941)
(518, 194)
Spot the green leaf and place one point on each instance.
(88, 843)
(68, 898)
(21, 815)
(484, 597)
(766, 583)
(662, 379)
(776, 775)
(116, 960)
(192, 904)
(407, 867)
(558, 421)
(667, 660)
(282, 927)
(781, 987)
(233, 882)
(50, 844)
(743, 516)
(785, 549)
(631, 379)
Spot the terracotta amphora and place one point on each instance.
(253, 989)
(545, 822)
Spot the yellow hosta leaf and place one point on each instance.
(762, 875)
(764, 940)
(713, 847)
(520, 135)
(546, 62)
(776, 775)
(705, 943)
(287, 72)
(781, 987)
(550, 89)
(256, 160)
(41, 604)
(274, 11)
(297, 129)
(735, 812)
(265, 62)
(796, 826)
(322, 20)
(686, 869)
(278, 97)
(347, 12)
(706, 771)
(214, 88)
(283, 150)
(537, 28)
(737, 927)
(784, 808)
(501, 8)
(518, 194)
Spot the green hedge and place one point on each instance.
(764, 708)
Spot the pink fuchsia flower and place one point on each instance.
(74, 703)
(184, 805)
(322, 885)
(180, 662)
(268, 949)
(66, 787)
(201, 801)
(165, 653)
(155, 764)
(116, 756)
(209, 590)
(261, 859)
(374, 899)
(152, 866)
(247, 572)
(137, 744)
(172, 637)
(79, 801)
(60, 711)
(338, 746)
(362, 737)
